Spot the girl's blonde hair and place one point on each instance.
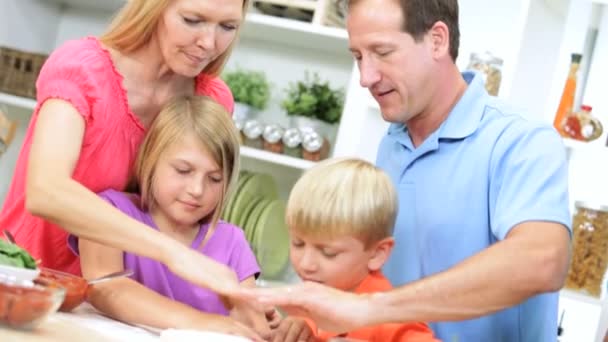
(136, 22)
(343, 197)
(210, 123)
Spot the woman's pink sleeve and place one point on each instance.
(67, 75)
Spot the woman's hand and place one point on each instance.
(331, 309)
(293, 329)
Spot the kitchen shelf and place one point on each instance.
(260, 26)
(248, 152)
(575, 145)
(17, 101)
(580, 297)
(302, 4)
(275, 158)
(295, 33)
(105, 5)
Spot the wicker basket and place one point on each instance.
(19, 71)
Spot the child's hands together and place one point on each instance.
(251, 315)
(292, 329)
(273, 317)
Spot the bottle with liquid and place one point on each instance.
(566, 103)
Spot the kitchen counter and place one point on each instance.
(83, 324)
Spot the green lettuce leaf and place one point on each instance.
(13, 255)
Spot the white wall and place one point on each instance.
(495, 26)
(77, 22)
(37, 34)
(537, 58)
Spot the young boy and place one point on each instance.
(340, 216)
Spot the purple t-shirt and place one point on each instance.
(227, 245)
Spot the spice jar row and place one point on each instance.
(295, 142)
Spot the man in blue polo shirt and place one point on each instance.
(482, 234)
(476, 198)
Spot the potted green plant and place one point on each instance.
(250, 88)
(314, 104)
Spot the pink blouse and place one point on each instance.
(82, 73)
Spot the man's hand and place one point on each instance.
(331, 309)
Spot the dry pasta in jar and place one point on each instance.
(589, 249)
(490, 68)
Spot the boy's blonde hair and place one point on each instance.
(210, 123)
(343, 197)
(136, 22)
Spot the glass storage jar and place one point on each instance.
(490, 68)
(589, 249)
(252, 131)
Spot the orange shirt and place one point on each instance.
(394, 332)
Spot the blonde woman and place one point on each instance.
(96, 98)
(185, 169)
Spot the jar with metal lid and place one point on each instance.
(292, 143)
(314, 146)
(252, 131)
(273, 135)
(239, 124)
(490, 68)
(589, 248)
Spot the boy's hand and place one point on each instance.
(250, 315)
(293, 329)
(273, 317)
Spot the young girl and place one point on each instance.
(185, 169)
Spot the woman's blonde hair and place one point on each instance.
(343, 197)
(210, 123)
(136, 22)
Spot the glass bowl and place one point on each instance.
(76, 288)
(24, 305)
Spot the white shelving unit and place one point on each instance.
(295, 33)
(274, 158)
(17, 101)
(534, 37)
(247, 152)
(594, 147)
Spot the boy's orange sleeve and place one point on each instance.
(411, 332)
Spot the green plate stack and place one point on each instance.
(256, 208)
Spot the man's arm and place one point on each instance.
(532, 259)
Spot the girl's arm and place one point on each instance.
(53, 195)
(130, 301)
